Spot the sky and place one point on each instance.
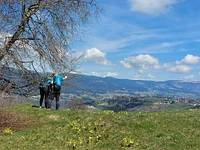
(155, 40)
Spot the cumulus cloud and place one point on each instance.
(149, 76)
(179, 69)
(190, 77)
(152, 7)
(189, 60)
(182, 66)
(139, 76)
(142, 62)
(96, 56)
(112, 74)
(95, 74)
(147, 62)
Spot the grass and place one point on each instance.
(105, 130)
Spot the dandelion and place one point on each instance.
(89, 123)
(96, 123)
(91, 131)
(156, 114)
(108, 112)
(123, 112)
(72, 143)
(127, 142)
(131, 141)
(98, 138)
(80, 140)
(73, 123)
(7, 131)
(90, 139)
(83, 127)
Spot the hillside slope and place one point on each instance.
(75, 129)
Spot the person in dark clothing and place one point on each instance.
(44, 90)
(55, 90)
(54, 94)
(43, 93)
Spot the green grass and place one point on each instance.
(89, 130)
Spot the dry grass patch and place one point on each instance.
(11, 120)
(14, 122)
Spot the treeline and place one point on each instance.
(116, 103)
(123, 103)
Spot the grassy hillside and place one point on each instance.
(35, 128)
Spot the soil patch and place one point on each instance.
(13, 121)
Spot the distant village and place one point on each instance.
(192, 102)
(119, 102)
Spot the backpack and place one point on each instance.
(42, 84)
(55, 87)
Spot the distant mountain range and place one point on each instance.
(83, 84)
(99, 85)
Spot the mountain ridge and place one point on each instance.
(85, 84)
(103, 85)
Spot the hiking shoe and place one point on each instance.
(48, 109)
(40, 107)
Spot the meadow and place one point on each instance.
(34, 128)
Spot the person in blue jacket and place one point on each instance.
(56, 83)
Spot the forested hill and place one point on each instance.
(93, 84)
(84, 84)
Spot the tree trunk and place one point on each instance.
(7, 88)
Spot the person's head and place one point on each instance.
(50, 75)
(65, 77)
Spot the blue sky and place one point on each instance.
(144, 40)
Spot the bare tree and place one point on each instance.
(76, 103)
(35, 36)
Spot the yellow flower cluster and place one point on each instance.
(127, 142)
(123, 112)
(108, 112)
(90, 129)
(7, 131)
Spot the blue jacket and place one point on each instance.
(48, 81)
(44, 83)
(58, 80)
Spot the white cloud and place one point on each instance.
(152, 7)
(149, 76)
(95, 74)
(182, 66)
(189, 60)
(139, 76)
(140, 72)
(126, 63)
(112, 74)
(142, 62)
(179, 69)
(190, 77)
(96, 56)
